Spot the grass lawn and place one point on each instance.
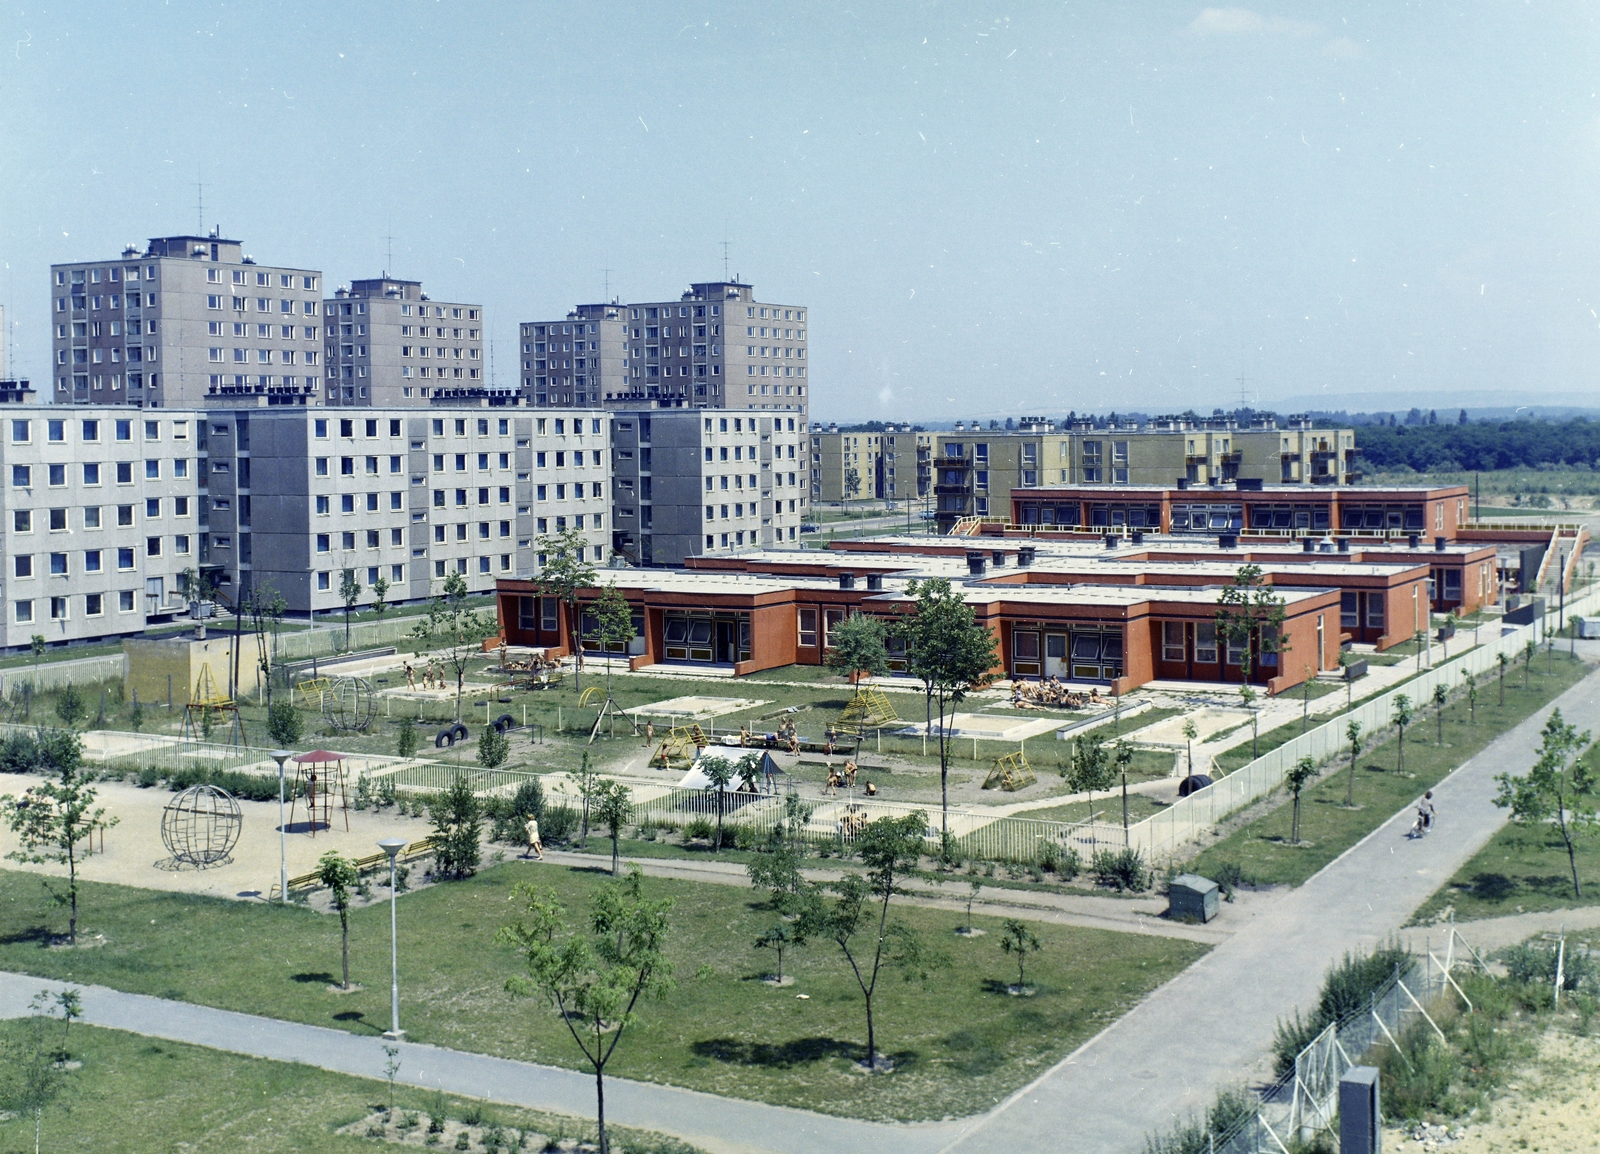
(1327, 828)
(174, 1096)
(1523, 869)
(960, 1045)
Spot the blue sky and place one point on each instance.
(990, 210)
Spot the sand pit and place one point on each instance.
(1206, 720)
(694, 708)
(989, 727)
(135, 856)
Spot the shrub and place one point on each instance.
(744, 837)
(1121, 869)
(1417, 1077)
(148, 776)
(69, 705)
(1194, 1136)
(1347, 989)
(509, 815)
(283, 723)
(457, 815)
(405, 743)
(19, 753)
(1230, 876)
(1534, 963)
(388, 791)
(558, 824)
(699, 827)
(363, 792)
(493, 748)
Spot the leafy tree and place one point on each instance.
(265, 607)
(136, 714)
(588, 783)
(1247, 698)
(350, 590)
(339, 875)
(1090, 769)
(1250, 617)
(858, 919)
(614, 808)
(951, 654)
(719, 773)
(1502, 661)
(1190, 732)
(456, 630)
(283, 723)
(457, 817)
(777, 870)
(1121, 762)
(55, 819)
(1299, 774)
(1018, 939)
(1529, 651)
(858, 647)
(32, 1072)
(493, 748)
(1472, 698)
(36, 645)
(1560, 788)
(1402, 714)
(69, 706)
(564, 573)
(380, 596)
(1353, 733)
(974, 888)
(405, 742)
(610, 621)
(594, 980)
(1440, 696)
(780, 936)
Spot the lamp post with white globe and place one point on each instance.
(280, 756)
(392, 846)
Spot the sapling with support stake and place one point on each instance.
(1440, 696)
(1353, 733)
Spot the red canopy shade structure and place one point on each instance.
(306, 781)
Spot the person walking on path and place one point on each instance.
(649, 734)
(535, 846)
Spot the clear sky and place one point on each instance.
(990, 210)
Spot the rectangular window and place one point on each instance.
(1349, 610)
(91, 561)
(1172, 643)
(24, 612)
(1205, 642)
(124, 559)
(125, 600)
(1375, 616)
(21, 476)
(152, 546)
(94, 605)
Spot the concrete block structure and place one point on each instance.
(577, 360)
(895, 464)
(690, 483)
(186, 322)
(387, 345)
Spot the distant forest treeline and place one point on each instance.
(1479, 445)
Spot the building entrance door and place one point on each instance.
(1055, 655)
(726, 642)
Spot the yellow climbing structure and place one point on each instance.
(1010, 773)
(679, 748)
(311, 691)
(591, 695)
(869, 707)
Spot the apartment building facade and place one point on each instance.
(895, 464)
(387, 345)
(715, 347)
(692, 484)
(977, 469)
(190, 321)
(102, 521)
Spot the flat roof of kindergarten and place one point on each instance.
(1110, 492)
(1093, 546)
(1114, 596)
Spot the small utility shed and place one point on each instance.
(1192, 896)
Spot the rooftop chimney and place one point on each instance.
(1438, 544)
(1025, 556)
(874, 582)
(1307, 545)
(1111, 540)
(1413, 538)
(998, 556)
(975, 562)
(1227, 540)
(847, 580)
(1344, 544)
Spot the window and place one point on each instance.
(58, 609)
(58, 520)
(23, 566)
(1375, 616)
(125, 601)
(322, 542)
(91, 472)
(152, 546)
(24, 612)
(58, 564)
(21, 476)
(1349, 610)
(152, 470)
(124, 472)
(125, 559)
(808, 628)
(1205, 642)
(1172, 646)
(322, 582)
(94, 605)
(322, 504)
(152, 507)
(22, 521)
(91, 561)
(21, 432)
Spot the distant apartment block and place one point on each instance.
(695, 484)
(386, 345)
(894, 465)
(190, 321)
(715, 347)
(976, 469)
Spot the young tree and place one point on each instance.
(1299, 774)
(1250, 618)
(564, 573)
(339, 874)
(1018, 939)
(454, 629)
(405, 742)
(719, 773)
(36, 645)
(1121, 762)
(1190, 732)
(265, 607)
(1440, 696)
(614, 809)
(69, 706)
(1502, 661)
(777, 870)
(493, 748)
(858, 647)
(350, 590)
(1402, 713)
(380, 596)
(951, 654)
(778, 937)
(54, 820)
(283, 723)
(588, 783)
(1247, 698)
(609, 620)
(1529, 651)
(457, 817)
(888, 848)
(1353, 733)
(594, 980)
(974, 888)
(32, 1072)
(1090, 770)
(1472, 698)
(1560, 788)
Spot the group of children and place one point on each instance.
(1050, 693)
(432, 678)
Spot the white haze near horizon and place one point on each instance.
(990, 210)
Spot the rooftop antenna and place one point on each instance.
(607, 273)
(1243, 380)
(388, 254)
(724, 260)
(199, 209)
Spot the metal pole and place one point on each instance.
(280, 756)
(392, 846)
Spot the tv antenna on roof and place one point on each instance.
(607, 273)
(388, 254)
(1243, 380)
(199, 208)
(725, 260)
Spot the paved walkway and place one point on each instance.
(1208, 1027)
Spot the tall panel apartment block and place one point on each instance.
(388, 346)
(190, 321)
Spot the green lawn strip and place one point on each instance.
(1107, 808)
(960, 1044)
(134, 1092)
(1522, 869)
(1260, 846)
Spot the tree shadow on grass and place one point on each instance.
(1490, 887)
(320, 978)
(357, 1018)
(777, 1055)
(32, 934)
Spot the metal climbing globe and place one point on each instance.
(201, 826)
(349, 704)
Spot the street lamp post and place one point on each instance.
(280, 756)
(392, 846)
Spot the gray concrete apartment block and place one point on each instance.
(102, 518)
(187, 322)
(715, 347)
(692, 484)
(387, 345)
